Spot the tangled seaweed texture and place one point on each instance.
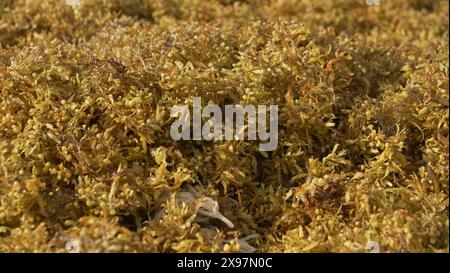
(86, 158)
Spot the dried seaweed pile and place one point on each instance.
(86, 158)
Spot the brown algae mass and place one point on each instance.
(87, 162)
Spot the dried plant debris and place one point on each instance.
(87, 163)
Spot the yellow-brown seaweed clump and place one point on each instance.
(87, 163)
